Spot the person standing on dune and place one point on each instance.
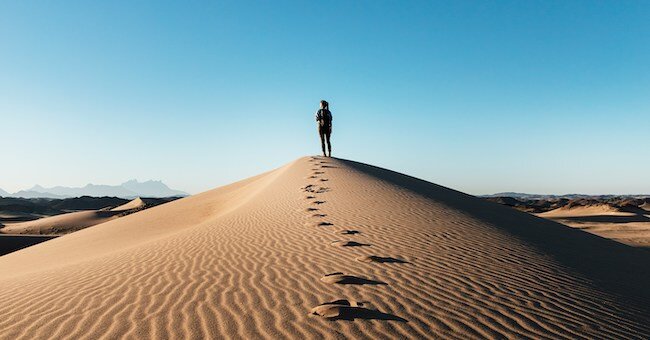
(324, 120)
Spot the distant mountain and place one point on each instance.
(3, 193)
(88, 190)
(151, 189)
(34, 194)
(129, 189)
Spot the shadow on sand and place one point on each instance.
(612, 266)
(606, 219)
(11, 243)
(345, 310)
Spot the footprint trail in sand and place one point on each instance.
(343, 309)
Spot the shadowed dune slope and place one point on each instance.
(246, 261)
(73, 221)
(11, 243)
(63, 223)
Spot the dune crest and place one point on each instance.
(136, 203)
(249, 260)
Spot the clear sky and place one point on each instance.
(483, 97)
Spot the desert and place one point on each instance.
(255, 259)
(324, 170)
(622, 218)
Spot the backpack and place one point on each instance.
(325, 117)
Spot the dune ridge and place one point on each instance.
(248, 260)
(597, 209)
(136, 203)
(72, 221)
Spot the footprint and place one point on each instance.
(309, 188)
(318, 202)
(350, 310)
(319, 172)
(311, 177)
(349, 244)
(379, 259)
(343, 279)
(348, 232)
(311, 209)
(328, 166)
(324, 179)
(310, 197)
(322, 190)
(319, 215)
(318, 224)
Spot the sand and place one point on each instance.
(136, 203)
(626, 227)
(61, 224)
(71, 222)
(589, 210)
(250, 260)
(645, 206)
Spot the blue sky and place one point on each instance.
(483, 97)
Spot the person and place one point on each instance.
(324, 120)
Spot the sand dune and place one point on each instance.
(61, 224)
(620, 224)
(73, 221)
(588, 210)
(251, 260)
(136, 203)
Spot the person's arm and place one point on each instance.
(318, 118)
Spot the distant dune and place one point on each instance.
(628, 224)
(624, 219)
(327, 248)
(72, 221)
(586, 210)
(134, 204)
(61, 224)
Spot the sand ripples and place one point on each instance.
(246, 261)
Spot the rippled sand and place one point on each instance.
(326, 248)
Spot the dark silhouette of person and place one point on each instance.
(324, 119)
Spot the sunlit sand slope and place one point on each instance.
(326, 248)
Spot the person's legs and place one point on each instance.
(322, 139)
(329, 145)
